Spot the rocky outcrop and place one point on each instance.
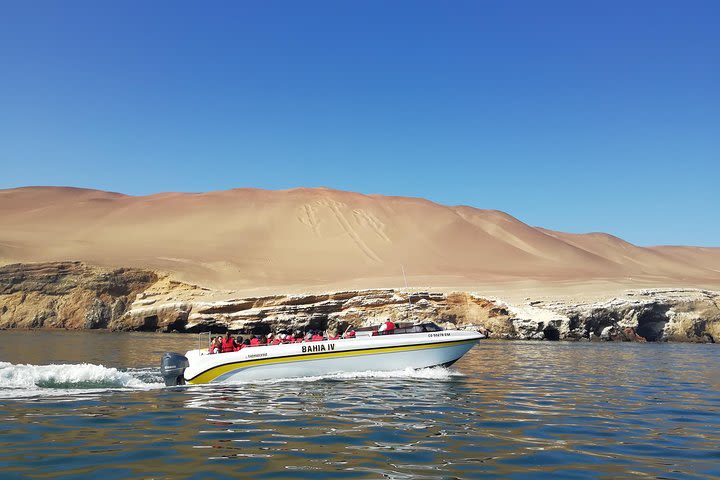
(73, 295)
(681, 315)
(331, 311)
(645, 315)
(68, 295)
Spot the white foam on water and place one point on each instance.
(435, 373)
(27, 380)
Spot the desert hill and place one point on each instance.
(245, 238)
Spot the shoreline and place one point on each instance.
(78, 296)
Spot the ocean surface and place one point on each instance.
(92, 405)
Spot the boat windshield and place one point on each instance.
(401, 327)
(417, 328)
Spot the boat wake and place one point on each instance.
(435, 373)
(30, 380)
(23, 381)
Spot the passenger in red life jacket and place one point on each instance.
(317, 336)
(238, 344)
(255, 341)
(387, 327)
(275, 340)
(215, 345)
(228, 343)
(349, 333)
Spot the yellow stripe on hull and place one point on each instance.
(215, 372)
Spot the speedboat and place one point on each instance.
(415, 346)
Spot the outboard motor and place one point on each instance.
(172, 366)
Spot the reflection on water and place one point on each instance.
(518, 410)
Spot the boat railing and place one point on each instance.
(400, 328)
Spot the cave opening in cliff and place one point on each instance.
(651, 323)
(260, 329)
(150, 324)
(551, 333)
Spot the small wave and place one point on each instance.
(84, 376)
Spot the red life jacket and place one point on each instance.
(254, 342)
(350, 334)
(317, 338)
(228, 345)
(389, 326)
(276, 342)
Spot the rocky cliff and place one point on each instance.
(68, 295)
(73, 295)
(681, 315)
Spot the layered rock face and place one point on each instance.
(338, 310)
(681, 315)
(331, 311)
(643, 315)
(647, 315)
(73, 295)
(68, 295)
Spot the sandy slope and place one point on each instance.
(312, 238)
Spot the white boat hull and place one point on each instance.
(380, 353)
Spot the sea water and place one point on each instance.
(92, 405)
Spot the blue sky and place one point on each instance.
(577, 116)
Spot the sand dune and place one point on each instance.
(248, 238)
